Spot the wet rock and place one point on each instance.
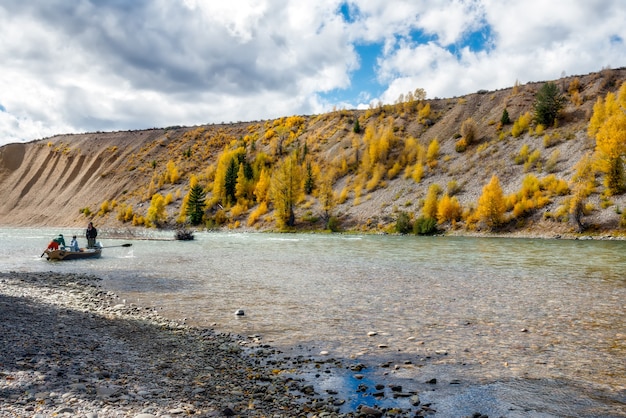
(369, 412)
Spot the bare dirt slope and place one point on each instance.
(49, 182)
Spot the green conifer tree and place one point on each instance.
(548, 103)
(196, 204)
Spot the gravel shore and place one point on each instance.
(68, 348)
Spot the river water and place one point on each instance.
(517, 327)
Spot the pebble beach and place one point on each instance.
(68, 348)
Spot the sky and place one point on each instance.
(71, 66)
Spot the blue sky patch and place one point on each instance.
(2, 108)
(349, 12)
(479, 40)
(364, 83)
(616, 40)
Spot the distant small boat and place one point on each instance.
(66, 253)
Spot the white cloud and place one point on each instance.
(86, 66)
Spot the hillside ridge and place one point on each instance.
(64, 180)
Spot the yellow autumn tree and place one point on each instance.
(432, 200)
(433, 153)
(608, 125)
(582, 185)
(156, 212)
(262, 186)
(286, 189)
(491, 204)
(172, 173)
(449, 209)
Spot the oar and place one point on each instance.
(123, 245)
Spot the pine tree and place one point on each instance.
(548, 103)
(196, 204)
(505, 120)
(309, 182)
(230, 181)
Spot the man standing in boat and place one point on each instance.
(91, 235)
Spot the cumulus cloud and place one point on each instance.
(95, 66)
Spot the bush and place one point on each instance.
(333, 224)
(460, 145)
(469, 131)
(403, 223)
(424, 226)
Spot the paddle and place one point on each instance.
(123, 245)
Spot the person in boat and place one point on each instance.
(55, 243)
(74, 244)
(91, 235)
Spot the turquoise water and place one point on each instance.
(486, 310)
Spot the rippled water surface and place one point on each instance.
(490, 310)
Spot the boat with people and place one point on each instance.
(67, 253)
(58, 250)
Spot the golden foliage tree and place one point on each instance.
(449, 209)
(286, 189)
(583, 184)
(431, 202)
(433, 153)
(156, 212)
(491, 204)
(608, 125)
(172, 173)
(262, 186)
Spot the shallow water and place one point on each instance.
(543, 314)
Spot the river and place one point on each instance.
(506, 325)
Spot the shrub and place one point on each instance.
(453, 187)
(417, 173)
(469, 131)
(553, 160)
(424, 226)
(403, 223)
(333, 224)
(521, 124)
(433, 153)
(104, 208)
(522, 156)
(460, 145)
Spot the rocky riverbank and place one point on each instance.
(70, 349)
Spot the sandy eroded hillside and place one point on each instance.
(49, 182)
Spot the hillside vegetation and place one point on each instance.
(491, 161)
